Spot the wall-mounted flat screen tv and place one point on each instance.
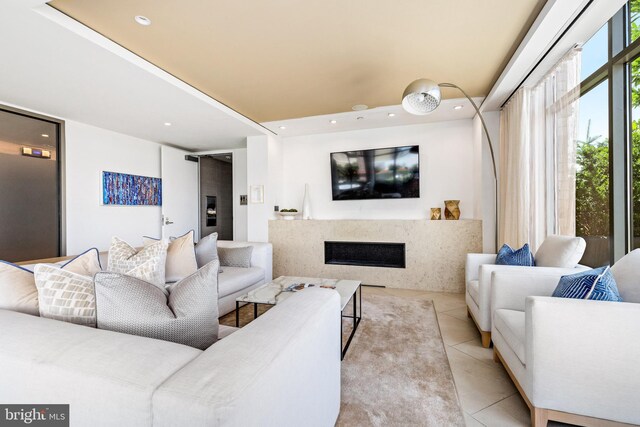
(382, 173)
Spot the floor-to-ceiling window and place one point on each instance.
(608, 147)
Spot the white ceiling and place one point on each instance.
(372, 118)
(54, 65)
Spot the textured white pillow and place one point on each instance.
(627, 274)
(560, 251)
(186, 312)
(181, 257)
(207, 249)
(146, 264)
(64, 295)
(18, 290)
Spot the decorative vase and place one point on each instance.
(306, 204)
(436, 213)
(451, 209)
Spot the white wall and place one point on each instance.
(446, 170)
(89, 151)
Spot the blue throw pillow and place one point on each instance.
(597, 284)
(521, 257)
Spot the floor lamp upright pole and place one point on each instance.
(493, 158)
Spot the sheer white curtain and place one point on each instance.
(538, 133)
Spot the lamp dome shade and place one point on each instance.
(421, 97)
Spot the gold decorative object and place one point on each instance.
(436, 213)
(451, 209)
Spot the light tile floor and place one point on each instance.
(487, 395)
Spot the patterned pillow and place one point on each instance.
(235, 257)
(64, 295)
(186, 312)
(597, 284)
(509, 256)
(181, 257)
(146, 264)
(18, 291)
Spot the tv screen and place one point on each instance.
(383, 173)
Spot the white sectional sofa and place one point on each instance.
(283, 369)
(574, 361)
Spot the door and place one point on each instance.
(179, 192)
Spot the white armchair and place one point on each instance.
(574, 361)
(557, 255)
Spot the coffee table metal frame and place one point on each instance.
(356, 317)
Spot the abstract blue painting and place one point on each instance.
(131, 190)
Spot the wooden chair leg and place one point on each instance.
(539, 417)
(486, 339)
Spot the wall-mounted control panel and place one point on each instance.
(243, 199)
(36, 152)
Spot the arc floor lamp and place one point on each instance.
(423, 96)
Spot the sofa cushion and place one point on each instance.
(235, 257)
(181, 256)
(473, 287)
(521, 257)
(85, 264)
(186, 312)
(597, 284)
(511, 325)
(18, 290)
(560, 251)
(44, 360)
(146, 264)
(65, 295)
(234, 279)
(207, 249)
(627, 274)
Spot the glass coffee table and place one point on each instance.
(276, 291)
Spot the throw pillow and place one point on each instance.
(560, 251)
(181, 257)
(186, 312)
(508, 256)
(235, 257)
(597, 284)
(85, 264)
(64, 295)
(147, 263)
(626, 271)
(207, 249)
(18, 290)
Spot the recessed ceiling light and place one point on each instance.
(359, 107)
(167, 124)
(44, 135)
(143, 20)
(392, 114)
(458, 107)
(283, 127)
(359, 118)
(333, 122)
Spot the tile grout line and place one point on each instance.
(493, 404)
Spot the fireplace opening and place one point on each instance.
(366, 254)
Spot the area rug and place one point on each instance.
(396, 371)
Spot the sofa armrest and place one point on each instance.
(262, 255)
(283, 369)
(582, 357)
(511, 288)
(473, 263)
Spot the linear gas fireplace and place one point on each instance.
(367, 254)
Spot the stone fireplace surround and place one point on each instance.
(435, 251)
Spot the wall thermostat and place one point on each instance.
(36, 152)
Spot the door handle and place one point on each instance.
(167, 221)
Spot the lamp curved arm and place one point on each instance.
(493, 158)
(484, 126)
